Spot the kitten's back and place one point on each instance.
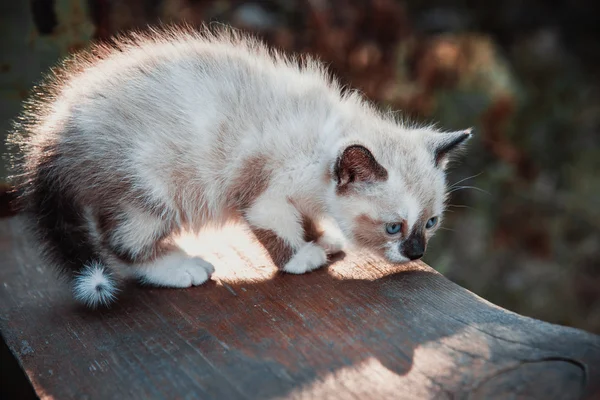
(168, 123)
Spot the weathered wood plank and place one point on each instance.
(359, 329)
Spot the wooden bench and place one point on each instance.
(360, 328)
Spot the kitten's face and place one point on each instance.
(392, 200)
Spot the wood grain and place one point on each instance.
(360, 328)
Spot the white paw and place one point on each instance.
(192, 272)
(176, 271)
(332, 243)
(308, 258)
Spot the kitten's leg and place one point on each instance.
(278, 226)
(331, 238)
(175, 269)
(331, 242)
(137, 238)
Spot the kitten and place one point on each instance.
(128, 144)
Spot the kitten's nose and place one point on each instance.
(414, 247)
(414, 256)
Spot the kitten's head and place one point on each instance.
(389, 195)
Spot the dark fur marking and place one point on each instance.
(279, 251)
(58, 220)
(444, 150)
(252, 180)
(370, 233)
(357, 164)
(312, 233)
(120, 190)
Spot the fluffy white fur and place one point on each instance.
(175, 270)
(173, 119)
(309, 257)
(94, 287)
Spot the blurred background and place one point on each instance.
(524, 232)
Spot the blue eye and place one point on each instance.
(431, 223)
(393, 228)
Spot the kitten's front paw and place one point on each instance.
(194, 271)
(176, 271)
(331, 242)
(308, 258)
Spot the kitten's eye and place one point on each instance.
(431, 223)
(393, 228)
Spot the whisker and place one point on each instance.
(464, 179)
(468, 187)
(447, 229)
(458, 206)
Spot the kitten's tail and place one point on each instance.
(95, 285)
(63, 228)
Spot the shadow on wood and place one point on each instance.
(359, 328)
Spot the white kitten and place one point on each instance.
(127, 145)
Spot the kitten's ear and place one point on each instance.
(357, 164)
(444, 145)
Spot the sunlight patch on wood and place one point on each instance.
(369, 379)
(236, 255)
(433, 365)
(435, 361)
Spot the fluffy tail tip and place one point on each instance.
(95, 286)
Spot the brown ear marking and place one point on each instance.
(453, 141)
(357, 164)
